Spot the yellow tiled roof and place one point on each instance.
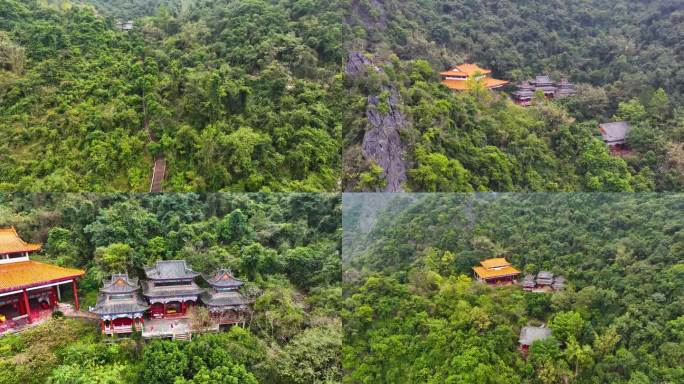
(462, 85)
(26, 274)
(466, 69)
(495, 262)
(490, 273)
(10, 242)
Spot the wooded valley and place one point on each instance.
(414, 314)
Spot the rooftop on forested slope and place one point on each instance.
(170, 270)
(614, 133)
(456, 77)
(529, 335)
(495, 271)
(10, 242)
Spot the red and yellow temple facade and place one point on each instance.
(496, 271)
(456, 78)
(29, 290)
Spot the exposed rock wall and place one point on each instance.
(381, 142)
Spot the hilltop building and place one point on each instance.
(529, 335)
(120, 305)
(170, 289)
(615, 136)
(551, 89)
(543, 281)
(456, 77)
(29, 291)
(168, 292)
(124, 25)
(224, 300)
(496, 271)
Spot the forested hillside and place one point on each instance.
(286, 246)
(235, 95)
(413, 314)
(624, 57)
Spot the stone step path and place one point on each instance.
(158, 173)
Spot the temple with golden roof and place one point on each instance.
(496, 271)
(29, 290)
(456, 77)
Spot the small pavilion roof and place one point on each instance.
(614, 132)
(529, 335)
(120, 283)
(10, 242)
(224, 299)
(529, 279)
(170, 270)
(223, 278)
(108, 304)
(542, 79)
(27, 274)
(545, 275)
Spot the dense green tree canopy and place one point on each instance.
(236, 95)
(413, 315)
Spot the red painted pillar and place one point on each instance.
(53, 297)
(73, 286)
(27, 306)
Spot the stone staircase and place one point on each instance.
(185, 336)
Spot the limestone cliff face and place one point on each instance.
(381, 142)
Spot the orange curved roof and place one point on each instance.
(494, 83)
(27, 274)
(462, 85)
(10, 242)
(491, 273)
(466, 69)
(495, 262)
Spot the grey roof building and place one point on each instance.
(529, 282)
(120, 298)
(614, 133)
(529, 335)
(545, 278)
(171, 280)
(223, 298)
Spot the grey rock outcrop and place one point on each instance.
(381, 142)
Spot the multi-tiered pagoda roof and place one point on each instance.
(119, 296)
(171, 279)
(224, 293)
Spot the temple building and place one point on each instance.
(551, 89)
(224, 300)
(496, 271)
(124, 25)
(544, 281)
(529, 335)
(456, 77)
(29, 290)
(529, 283)
(170, 289)
(120, 306)
(615, 136)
